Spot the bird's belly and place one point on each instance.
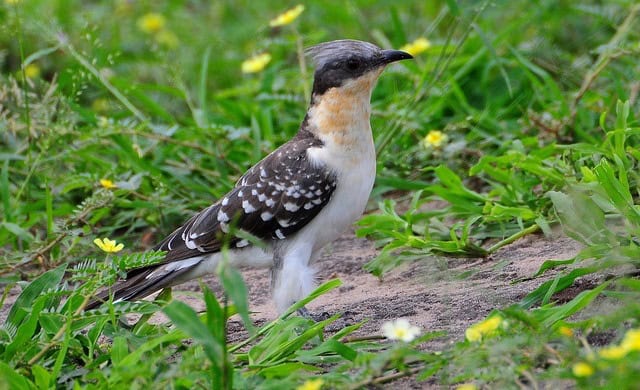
(346, 205)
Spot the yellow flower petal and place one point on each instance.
(473, 334)
(100, 105)
(108, 245)
(613, 352)
(631, 340)
(435, 139)
(99, 243)
(582, 370)
(108, 184)
(416, 47)
(256, 64)
(287, 17)
(151, 23)
(311, 384)
(490, 324)
(32, 71)
(467, 386)
(478, 331)
(565, 331)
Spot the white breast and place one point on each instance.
(355, 170)
(347, 203)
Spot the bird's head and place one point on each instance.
(349, 64)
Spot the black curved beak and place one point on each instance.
(389, 56)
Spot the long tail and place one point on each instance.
(138, 284)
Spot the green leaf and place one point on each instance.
(617, 189)
(453, 190)
(562, 282)
(119, 350)
(22, 306)
(550, 315)
(216, 321)
(453, 7)
(17, 230)
(286, 347)
(26, 329)
(41, 376)
(500, 212)
(185, 318)
(550, 264)
(329, 346)
(285, 369)
(581, 218)
(10, 379)
(321, 290)
(134, 357)
(236, 288)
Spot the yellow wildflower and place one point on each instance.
(167, 38)
(108, 245)
(467, 386)
(582, 370)
(631, 340)
(416, 47)
(256, 63)
(151, 23)
(473, 334)
(32, 71)
(103, 122)
(11, 2)
(287, 17)
(108, 184)
(311, 384)
(100, 105)
(435, 139)
(400, 329)
(565, 331)
(613, 352)
(477, 332)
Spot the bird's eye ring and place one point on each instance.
(353, 64)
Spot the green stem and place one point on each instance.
(104, 81)
(604, 58)
(531, 229)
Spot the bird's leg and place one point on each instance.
(291, 277)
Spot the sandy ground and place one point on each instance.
(434, 294)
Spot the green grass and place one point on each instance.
(538, 101)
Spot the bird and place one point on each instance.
(296, 200)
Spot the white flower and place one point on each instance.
(400, 329)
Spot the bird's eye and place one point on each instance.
(353, 64)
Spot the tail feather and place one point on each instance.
(138, 284)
